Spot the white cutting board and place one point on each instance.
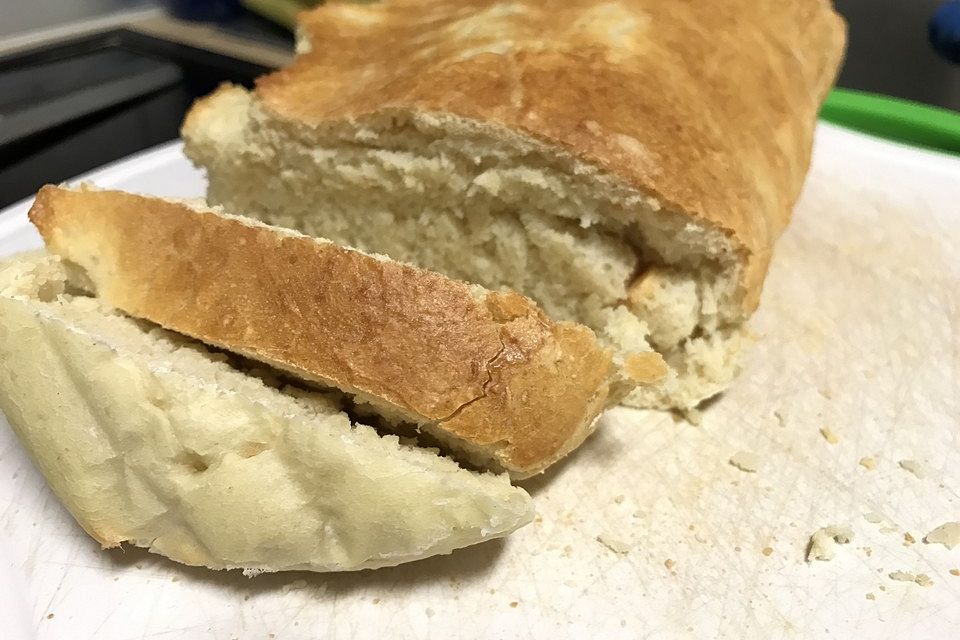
(858, 331)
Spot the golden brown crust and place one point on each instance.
(707, 105)
(492, 369)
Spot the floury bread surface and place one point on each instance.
(149, 438)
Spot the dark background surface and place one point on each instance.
(888, 52)
(151, 83)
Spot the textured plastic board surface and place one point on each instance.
(648, 530)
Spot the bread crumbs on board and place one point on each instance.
(920, 579)
(617, 546)
(868, 462)
(875, 517)
(915, 467)
(746, 461)
(955, 572)
(947, 534)
(829, 435)
(908, 539)
(823, 542)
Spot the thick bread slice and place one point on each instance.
(628, 164)
(147, 437)
(487, 373)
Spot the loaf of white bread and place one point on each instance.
(629, 165)
(150, 438)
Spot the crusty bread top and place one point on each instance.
(489, 368)
(707, 105)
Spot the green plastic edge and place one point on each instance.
(894, 119)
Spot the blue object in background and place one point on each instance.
(944, 31)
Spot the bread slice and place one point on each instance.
(486, 373)
(628, 165)
(148, 438)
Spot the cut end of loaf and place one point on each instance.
(487, 205)
(592, 156)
